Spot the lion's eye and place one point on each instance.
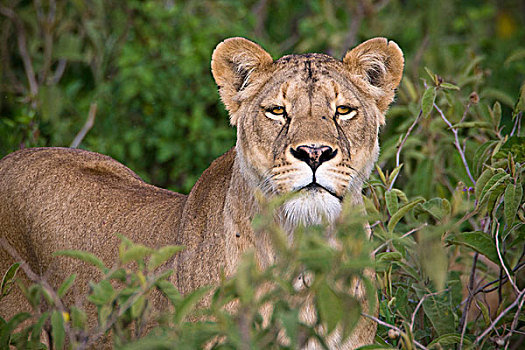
(345, 112)
(276, 113)
(277, 110)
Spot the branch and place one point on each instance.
(500, 316)
(456, 143)
(39, 280)
(421, 303)
(463, 320)
(90, 121)
(516, 289)
(22, 48)
(398, 153)
(403, 236)
(375, 319)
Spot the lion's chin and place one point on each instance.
(312, 206)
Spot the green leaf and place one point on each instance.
(401, 212)
(329, 307)
(433, 256)
(478, 241)
(392, 202)
(162, 255)
(512, 201)
(437, 208)
(78, 318)
(188, 304)
(138, 306)
(64, 287)
(84, 256)
(102, 293)
(9, 279)
(484, 311)
(481, 156)
(496, 112)
(492, 189)
(388, 257)
(514, 145)
(448, 339)
(57, 329)
(7, 329)
(450, 86)
(427, 101)
(36, 332)
(69, 46)
(169, 290)
(135, 253)
(516, 55)
(485, 176)
(401, 195)
(477, 125)
(395, 172)
(430, 74)
(438, 310)
(381, 174)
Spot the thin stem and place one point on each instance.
(456, 143)
(421, 303)
(500, 316)
(375, 319)
(503, 263)
(24, 53)
(463, 321)
(403, 236)
(400, 147)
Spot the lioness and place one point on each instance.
(305, 123)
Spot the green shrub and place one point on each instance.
(446, 203)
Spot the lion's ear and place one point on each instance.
(380, 63)
(233, 62)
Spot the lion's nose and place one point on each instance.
(312, 155)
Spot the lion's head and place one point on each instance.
(307, 123)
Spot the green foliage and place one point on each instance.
(445, 204)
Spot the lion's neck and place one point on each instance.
(240, 208)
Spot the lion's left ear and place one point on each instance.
(380, 63)
(233, 62)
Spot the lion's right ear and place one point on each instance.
(233, 62)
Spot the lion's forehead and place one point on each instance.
(309, 67)
(315, 77)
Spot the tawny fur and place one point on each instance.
(56, 198)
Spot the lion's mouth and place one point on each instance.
(314, 186)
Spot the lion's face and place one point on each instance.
(307, 124)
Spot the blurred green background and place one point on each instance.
(146, 66)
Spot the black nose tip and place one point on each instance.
(313, 156)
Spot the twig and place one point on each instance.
(22, 48)
(375, 319)
(517, 124)
(101, 330)
(514, 324)
(354, 25)
(90, 121)
(413, 319)
(500, 316)
(503, 263)
(40, 280)
(61, 67)
(403, 236)
(463, 320)
(456, 143)
(501, 280)
(398, 153)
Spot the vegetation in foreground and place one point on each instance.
(445, 204)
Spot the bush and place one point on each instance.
(446, 203)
